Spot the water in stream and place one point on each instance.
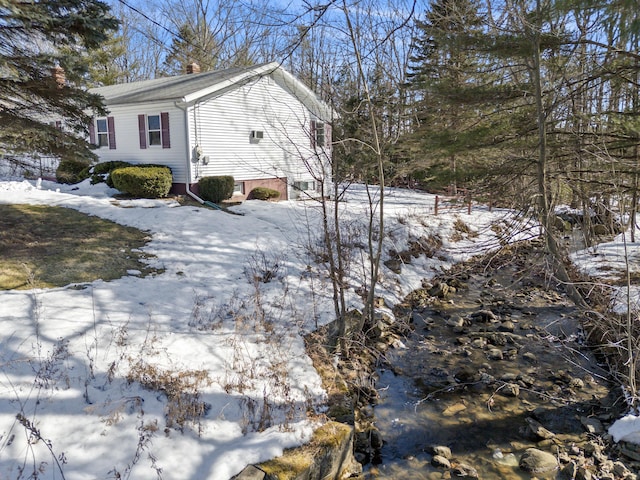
(477, 372)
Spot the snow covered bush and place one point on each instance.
(146, 181)
(216, 189)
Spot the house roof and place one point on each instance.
(191, 88)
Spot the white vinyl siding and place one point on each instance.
(222, 127)
(126, 120)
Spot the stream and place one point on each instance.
(494, 369)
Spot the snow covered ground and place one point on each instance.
(74, 359)
(610, 261)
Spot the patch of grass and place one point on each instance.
(290, 465)
(296, 461)
(44, 247)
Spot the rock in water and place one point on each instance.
(537, 461)
(441, 450)
(462, 470)
(439, 461)
(484, 316)
(511, 390)
(538, 430)
(441, 290)
(495, 354)
(452, 410)
(455, 321)
(507, 326)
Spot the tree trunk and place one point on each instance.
(545, 213)
(374, 246)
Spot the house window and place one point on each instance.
(154, 130)
(238, 188)
(305, 186)
(320, 134)
(103, 133)
(317, 134)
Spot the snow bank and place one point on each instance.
(626, 429)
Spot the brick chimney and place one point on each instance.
(57, 73)
(193, 67)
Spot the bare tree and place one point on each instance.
(363, 41)
(145, 39)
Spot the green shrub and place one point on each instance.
(216, 189)
(146, 181)
(264, 193)
(72, 170)
(102, 171)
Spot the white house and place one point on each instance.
(258, 124)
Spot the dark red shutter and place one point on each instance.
(92, 132)
(312, 133)
(142, 131)
(112, 133)
(327, 135)
(164, 125)
(59, 124)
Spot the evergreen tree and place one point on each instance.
(193, 44)
(444, 76)
(107, 63)
(355, 159)
(42, 72)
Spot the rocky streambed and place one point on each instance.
(493, 380)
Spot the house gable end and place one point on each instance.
(230, 83)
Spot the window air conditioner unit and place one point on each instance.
(257, 134)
